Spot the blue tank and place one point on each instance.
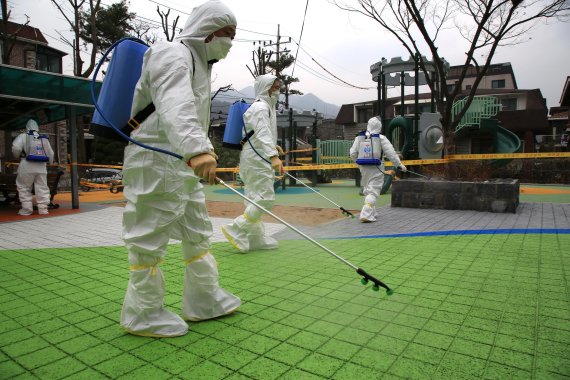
(235, 125)
(116, 96)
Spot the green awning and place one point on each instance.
(26, 93)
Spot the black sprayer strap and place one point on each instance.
(246, 138)
(135, 121)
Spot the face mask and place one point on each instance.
(275, 97)
(218, 48)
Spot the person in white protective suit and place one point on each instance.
(259, 160)
(164, 196)
(32, 173)
(372, 175)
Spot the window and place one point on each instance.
(422, 107)
(46, 62)
(499, 83)
(468, 87)
(43, 61)
(450, 87)
(363, 115)
(509, 104)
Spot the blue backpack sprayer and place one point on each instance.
(35, 150)
(116, 98)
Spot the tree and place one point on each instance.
(80, 10)
(143, 30)
(112, 24)
(483, 25)
(261, 58)
(282, 62)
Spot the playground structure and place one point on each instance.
(414, 136)
(420, 135)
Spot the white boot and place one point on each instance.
(368, 213)
(26, 209)
(203, 297)
(143, 310)
(259, 240)
(236, 233)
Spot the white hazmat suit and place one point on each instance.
(32, 174)
(372, 176)
(247, 231)
(164, 196)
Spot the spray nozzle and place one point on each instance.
(346, 212)
(377, 283)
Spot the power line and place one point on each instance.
(331, 74)
(169, 7)
(251, 31)
(300, 36)
(321, 76)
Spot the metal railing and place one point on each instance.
(334, 152)
(482, 107)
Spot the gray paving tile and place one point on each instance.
(398, 220)
(86, 229)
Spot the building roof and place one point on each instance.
(25, 32)
(534, 98)
(559, 111)
(494, 69)
(521, 120)
(29, 34)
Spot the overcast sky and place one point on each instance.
(345, 45)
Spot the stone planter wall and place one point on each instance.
(501, 195)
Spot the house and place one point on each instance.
(29, 48)
(559, 120)
(523, 112)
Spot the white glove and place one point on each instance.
(403, 168)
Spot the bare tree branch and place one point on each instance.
(164, 21)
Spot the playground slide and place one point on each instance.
(507, 141)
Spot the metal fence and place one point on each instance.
(334, 152)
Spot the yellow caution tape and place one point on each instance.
(304, 166)
(494, 156)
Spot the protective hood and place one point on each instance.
(262, 86)
(205, 19)
(31, 125)
(374, 125)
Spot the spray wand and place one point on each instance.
(366, 277)
(344, 211)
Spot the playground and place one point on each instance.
(476, 295)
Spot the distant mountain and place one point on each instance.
(306, 102)
(309, 101)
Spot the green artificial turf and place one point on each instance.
(486, 306)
